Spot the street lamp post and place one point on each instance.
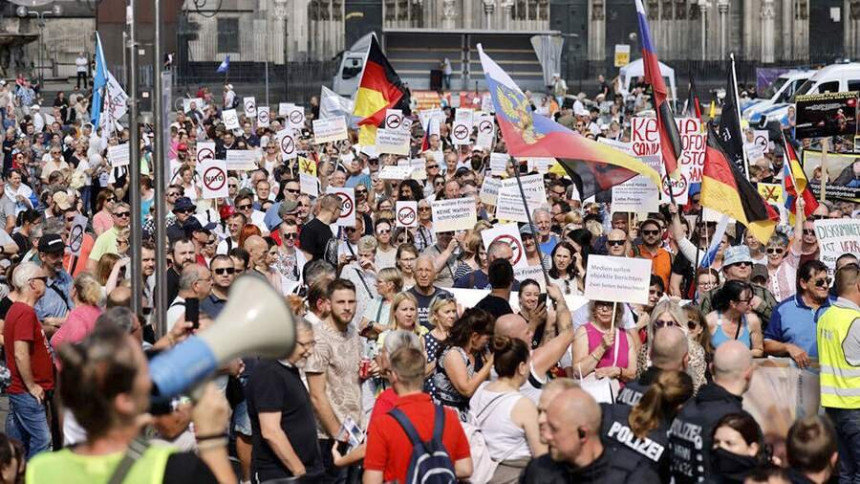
(40, 15)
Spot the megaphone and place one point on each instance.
(260, 326)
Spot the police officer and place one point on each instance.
(839, 356)
(668, 352)
(690, 435)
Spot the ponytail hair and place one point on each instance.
(508, 355)
(660, 402)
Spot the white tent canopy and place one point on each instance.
(635, 69)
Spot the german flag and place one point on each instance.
(726, 190)
(380, 89)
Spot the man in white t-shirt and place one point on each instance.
(82, 67)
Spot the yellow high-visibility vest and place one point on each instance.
(840, 380)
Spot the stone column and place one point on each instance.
(489, 8)
(449, 14)
(704, 5)
(723, 7)
(597, 31)
(851, 17)
(768, 16)
(801, 29)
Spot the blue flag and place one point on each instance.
(100, 79)
(711, 254)
(225, 65)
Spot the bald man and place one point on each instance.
(616, 243)
(690, 435)
(551, 390)
(576, 453)
(257, 247)
(669, 351)
(546, 356)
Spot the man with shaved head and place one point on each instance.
(424, 290)
(551, 390)
(690, 439)
(668, 352)
(576, 453)
(616, 243)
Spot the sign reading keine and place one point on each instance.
(453, 215)
(617, 279)
(837, 237)
(393, 141)
(329, 130)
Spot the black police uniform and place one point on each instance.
(690, 434)
(610, 467)
(617, 434)
(634, 390)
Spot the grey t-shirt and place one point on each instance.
(7, 209)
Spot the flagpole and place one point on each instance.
(529, 218)
(134, 160)
(738, 109)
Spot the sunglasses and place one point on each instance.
(40, 278)
(775, 250)
(113, 199)
(225, 270)
(650, 232)
(383, 232)
(615, 243)
(185, 210)
(814, 217)
(423, 209)
(292, 190)
(742, 264)
(231, 185)
(662, 323)
(430, 167)
(292, 236)
(244, 207)
(122, 214)
(808, 232)
(823, 282)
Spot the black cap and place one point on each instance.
(52, 244)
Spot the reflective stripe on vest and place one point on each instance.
(840, 381)
(69, 468)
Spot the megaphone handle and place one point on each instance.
(183, 366)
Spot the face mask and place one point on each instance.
(731, 466)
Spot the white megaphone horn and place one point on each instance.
(255, 322)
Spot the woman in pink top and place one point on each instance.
(594, 346)
(103, 220)
(783, 259)
(86, 294)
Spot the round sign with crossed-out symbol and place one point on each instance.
(296, 117)
(406, 216)
(393, 121)
(678, 187)
(264, 116)
(288, 145)
(461, 132)
(486, 127)
(214, 178)
(76, 238)
(249, 107)
(516, 247)
(204, 154)
(347, 205)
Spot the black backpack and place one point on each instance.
(430, 462)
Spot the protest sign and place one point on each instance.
(242, 160)
(770, 192)
(508, 234)
(205, 151)
(622, 55)
(393, 141)
(637, 194)
(295, 117)
(231, 119)
(486, 131)
(837, 237)
(618, 279)
(393, 119)
(761, 137)
(509, 206)
(263, 116)
(118, 155)
(540, 165)
(461, 131)
(347, 212)
(196, 101)
(284, 108)
(418, 167)
(76, 235)
(499, 163)
(533, 187)
(329, 130)
(531, 272)
(406, 214)
(693, 144)
(307, 166)
(453, 215)
(839, 171)
(827, 114)
(644, 137)
(250, 107)
(490, 190)
(214, 179)
(287, 144)
(395, 172)
(618, 145)
(309, 185)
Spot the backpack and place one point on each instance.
(430, 462)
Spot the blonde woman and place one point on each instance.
(665, 314)
(403, 316)
(86, 294)
(376, 318)
(443, 313)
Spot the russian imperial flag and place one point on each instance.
(726, 190)
(594, 166)
(380, 89)
(670, 139)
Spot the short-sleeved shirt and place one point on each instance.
(276, 387)
(495, 305)
(424, 305)
(661, 262)
(7, 209)
(338, 355)
(388, 447)
(105, 244)
(316, 239)
(22, 325)
(57, 300)
(792, 321)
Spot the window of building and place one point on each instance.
(228, 35)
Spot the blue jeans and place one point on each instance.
(847, 423)
(28, 422)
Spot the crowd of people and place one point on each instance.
(391, 377)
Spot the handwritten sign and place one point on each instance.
(453, 215)
(394, 141)
(490, 191)
(618, 279)
(837, 237)
(499, 163)
(395, 172)
(644, 137)
(329, 130)
(118, 155)
(308, 185)
(231, 119)
(242, 160)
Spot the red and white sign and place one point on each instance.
(295, 117)
(486, 131)
(250, 107)
(393, 119)
(347, 198)
(205, 151)
(263, 116)
(287, 144)
(406, 214)
(461, 132)
(508, 234)
(214, 179)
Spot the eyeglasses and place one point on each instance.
(560, 194)
(224, 270)
(615, 243)
(650, 232)
(291, 236)
(245, 206)
(602, 307)
(660, 323)
(122, 214)
(808, 232)
(823, 282)
(775, 250)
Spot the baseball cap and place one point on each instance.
(62, 200)
(288, 207)
(52, 244)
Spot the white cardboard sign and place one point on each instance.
(295, 117)
(461, 131)
(490, 191)
(509, 234)
(308, 185)
(242, 160)
(329, 130)
(205, 151)
(250, 107)
(837, 237)
(637, 194)
(347, 197)
(453, 215)
(263, 116)
(394, 141)
(499, 163)
(214, 179)
(618, 279)
(118, 155)
(287, 144)
(486, 132)
(406, 214)
(231, 119)
(394, 119)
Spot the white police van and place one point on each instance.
(833, 78)
(776, 96)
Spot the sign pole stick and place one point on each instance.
(825, 145)
(612, 324)
(529, 217)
